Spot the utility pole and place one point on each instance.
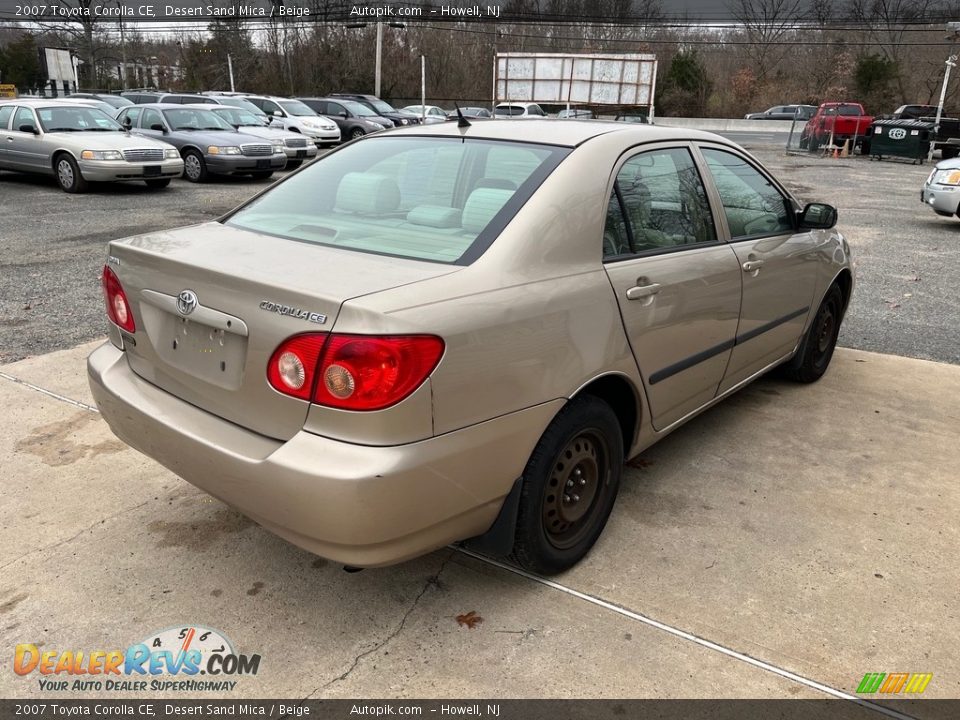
(423, 89)
(230, 70)
(123, 57)
(951, 63)
(378, 61)
(376, 73)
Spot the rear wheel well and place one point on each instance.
(621, 396)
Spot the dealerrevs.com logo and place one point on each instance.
(188, 658)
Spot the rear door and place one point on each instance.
(677, 284)
(778, 264)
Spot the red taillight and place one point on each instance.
(118, 309)
(293, 366)
(353, 372)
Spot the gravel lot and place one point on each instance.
(52, 247)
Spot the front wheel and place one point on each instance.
(569, 487)
(816, 350)
(357, 133)
(68, 173)
(194, 167)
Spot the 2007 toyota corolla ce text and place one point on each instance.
(449, 332)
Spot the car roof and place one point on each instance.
(164, 106)
(554, 132)
(45, 102)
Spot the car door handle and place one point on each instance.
(751, 265)
(638, 292)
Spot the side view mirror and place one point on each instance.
(342, 113)
(127, 122)
(276, 113)
(159, 128)
(818, 216)
(28, 128)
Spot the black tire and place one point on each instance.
(194, 167)
(262, 175)
(948, 153)
(582, 449)
(357, 133)
(813, 143)
(68, 174)
(157, 184)
(804, 142)
(816, 350)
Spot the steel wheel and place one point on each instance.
(572, 490)
(569, 487)
(816, 350)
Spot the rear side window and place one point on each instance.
(437, 199)
(5, 113)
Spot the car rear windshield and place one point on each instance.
(508, 110)
(424, 198)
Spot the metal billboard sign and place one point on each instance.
(576, 79)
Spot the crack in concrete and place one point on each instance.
(432, 581)
(90, 527)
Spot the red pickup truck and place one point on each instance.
(845, 120)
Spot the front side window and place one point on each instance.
(752, 204)
(664, 200)
(24, 116)
(424, 198)
(151, 117)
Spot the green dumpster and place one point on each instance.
(899, 138)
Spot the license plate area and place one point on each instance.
(263, 164)
(151, 170)
(207, 353)
(301, 153)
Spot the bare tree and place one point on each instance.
(768, 25)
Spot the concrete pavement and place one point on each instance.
(781, 545)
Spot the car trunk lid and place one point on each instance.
(211, 303)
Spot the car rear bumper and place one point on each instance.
(942, 199)
(238, 164)
(357, 505)
(113, 170)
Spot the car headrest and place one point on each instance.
(481, 206)
(368, 193)
(498, 183)
(436, 216)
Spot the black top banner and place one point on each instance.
(505, 11)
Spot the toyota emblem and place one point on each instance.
(186, 302)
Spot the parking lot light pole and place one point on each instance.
(951, 63)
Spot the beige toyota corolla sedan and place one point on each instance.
(461, 333)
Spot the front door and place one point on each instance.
(777, 263)
(25, 149)
(677, 284)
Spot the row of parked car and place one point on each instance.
(154, 137)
